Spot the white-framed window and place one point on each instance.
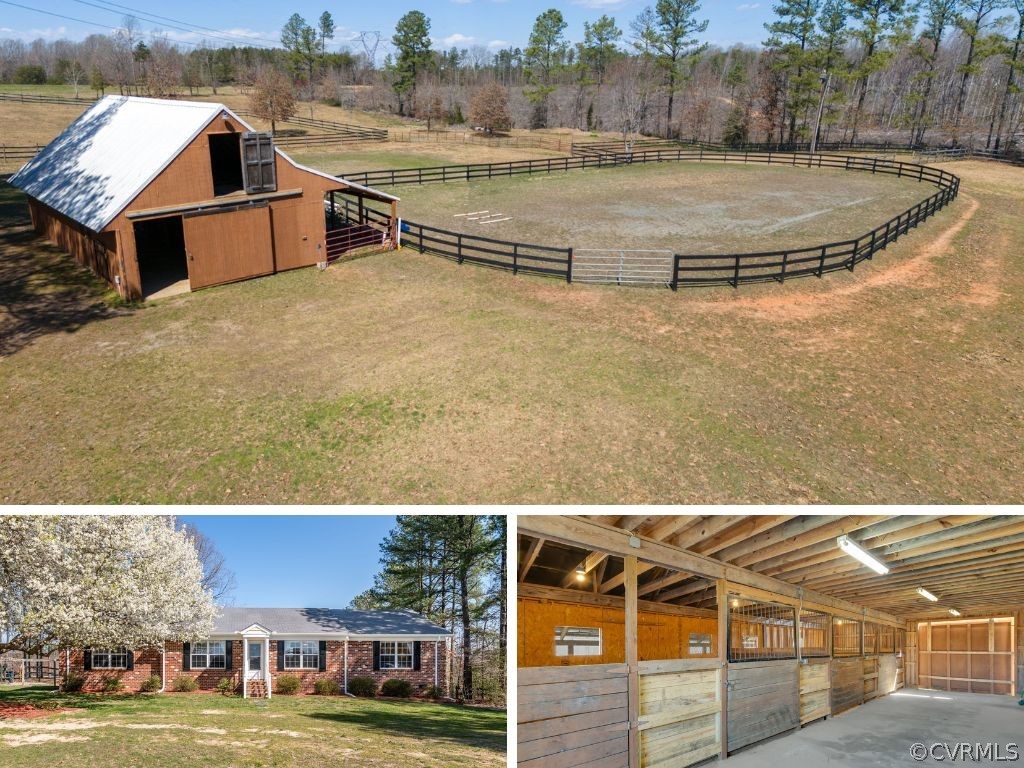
(700, 644)
(110, 658)
(209, 655)
(577, 641)
(395, 654)
(301, 654)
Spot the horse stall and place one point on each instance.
(655, 655)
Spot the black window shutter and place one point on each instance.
(186, 657)
(323, 655)
(416, 656)
(280, 655)
(87, 663)
(376, 655)
(131, 660)
(229, 646)
(258, 162)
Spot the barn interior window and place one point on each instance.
(577, 641)
(815, 633)
(700, 644)
(395, 655)
(208, 655)
(110, 658)
(761, 630)
(258, 162)
(226, 163)
(845, 637)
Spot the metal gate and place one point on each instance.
(619, 266)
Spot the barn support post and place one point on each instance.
(362, 212)
(1019, 631)
(334, 216)
(632, 660)
(722, 596)
(394, 223)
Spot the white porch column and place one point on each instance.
(266, 668)
(436, 645)
(245, 668)
(346, 665)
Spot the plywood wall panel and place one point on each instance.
(815, 685)
(847, 684)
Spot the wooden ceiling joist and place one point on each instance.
(584, 533)
(589, 563)
(531, 557)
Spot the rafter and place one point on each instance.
(530, 558)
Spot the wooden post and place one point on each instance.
(722, 594)
(632, 660)
(394, 224)
(362, 214)
(1019, 682)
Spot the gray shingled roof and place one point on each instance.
(327, 621)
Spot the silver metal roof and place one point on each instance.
(333, 621)
(110, 154)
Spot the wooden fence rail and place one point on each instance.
(688, 269)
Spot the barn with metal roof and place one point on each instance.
(159, 196)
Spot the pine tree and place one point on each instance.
(1015, 62)
(971, 21)
(667, 34)
(543, 58)
(791, 37)
(938, 14)
(412, 40)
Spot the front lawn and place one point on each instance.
(189, 730)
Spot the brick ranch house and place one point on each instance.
(255, 646)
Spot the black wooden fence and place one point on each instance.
(687, 269)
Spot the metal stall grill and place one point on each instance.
(815, 634)
(761, 630)
(845, 637)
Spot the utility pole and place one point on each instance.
(826, 79)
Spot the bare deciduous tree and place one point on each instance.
(273, 97)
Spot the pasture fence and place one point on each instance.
(21, 670)
(686, 269)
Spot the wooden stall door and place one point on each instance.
(763, 700)
(847, 684)
(680, 711)
(228, 245)
(814, 690)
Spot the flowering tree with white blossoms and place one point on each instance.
(105, 580)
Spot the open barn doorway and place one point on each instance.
(226, 163)
(160, 250)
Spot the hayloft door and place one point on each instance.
(226, 245)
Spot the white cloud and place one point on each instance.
(455, 39)
(462, 2)
(598, 4)
(748, 6)
(28, 35)
(497, 45)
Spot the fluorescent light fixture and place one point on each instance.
(580, 574)
(854, 551)
(954, 611)
(927, 595)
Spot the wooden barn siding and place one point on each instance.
(224, 246)
(763, 700)
(847, 684)
(299, 222)
(94, 250)
(573, 716)
(815, 684)
(660, 635)
(680, 713)
(869, 672)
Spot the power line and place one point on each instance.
(191, 29)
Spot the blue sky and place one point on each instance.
(463, 23)
(297, 561)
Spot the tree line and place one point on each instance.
(451, 570)
(905, 70)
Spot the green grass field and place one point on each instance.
(184, 730)
(406, 378)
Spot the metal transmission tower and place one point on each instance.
(370, 41)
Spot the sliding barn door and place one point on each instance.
(225, 246)
(972, 656)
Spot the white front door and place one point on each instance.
(254, 661)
